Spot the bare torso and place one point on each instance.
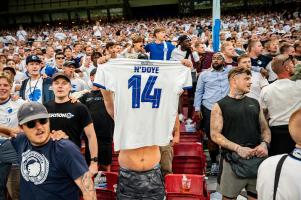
(141, 159)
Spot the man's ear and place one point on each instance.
(21, 127)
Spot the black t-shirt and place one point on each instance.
(49, 171)
(241, 120)
(69, 117)
(103, 123)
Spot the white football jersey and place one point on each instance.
(146, 96)
(8, 112)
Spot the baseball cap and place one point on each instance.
(31, 111)
(182, 38)
(61, 75)
(10, 69)
(32, 58)
(70, 62)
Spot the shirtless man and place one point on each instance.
(142, 124)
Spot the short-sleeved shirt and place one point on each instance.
(145, 100)
(281, 99)
(49, 171)
(69, 117)
(157, 50)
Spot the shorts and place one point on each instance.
(231, 185)
(147, 185)
(104, 154)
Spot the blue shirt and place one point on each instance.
(49, 171)
(211, 87)
(157, 50)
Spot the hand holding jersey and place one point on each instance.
(146, 96)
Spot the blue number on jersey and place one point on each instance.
(135, 83)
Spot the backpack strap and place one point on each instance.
(277, 175)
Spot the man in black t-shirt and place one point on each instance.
(71, 118)
(49, 169)
(239, 127)
(103, 124)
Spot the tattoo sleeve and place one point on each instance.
(86, 185)
(216, 126)
(264, 127)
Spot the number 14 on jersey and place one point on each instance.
(135, 84)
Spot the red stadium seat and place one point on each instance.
(190, 137)
(189, 158)
(198, 190)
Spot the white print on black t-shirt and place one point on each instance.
(61, 115)
(34, 167)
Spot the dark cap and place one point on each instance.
(60, 75)
(182, 38)
(10, 69)
(31, 111)
(70, 62)
(33, 58)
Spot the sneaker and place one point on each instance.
(214, 169)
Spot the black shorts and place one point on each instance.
(147, 185)
(104, 154)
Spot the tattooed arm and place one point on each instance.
(86, 185)
(262, 149)
(264, 128)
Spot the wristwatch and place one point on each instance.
(95, 159)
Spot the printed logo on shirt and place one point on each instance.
(61, 115)
(5, 120)
(34, 167)
(35, 95)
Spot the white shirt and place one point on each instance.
(289, 186)
(258, 82)
(146, 96)
(272, 75)
(34, 90)
(281, 98)
(8, 112)
(21, 34)
(78, 85)
(178, 54)
(97, 31)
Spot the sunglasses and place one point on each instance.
(32, 124)
(60, 58)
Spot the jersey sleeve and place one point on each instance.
(185, 79)
(71, 159)
(103, 78)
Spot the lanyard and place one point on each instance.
(34, 88)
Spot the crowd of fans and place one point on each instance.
(267, 44)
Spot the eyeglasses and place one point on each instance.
(32, 124)
(60, 58)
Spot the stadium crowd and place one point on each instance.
(246, 98)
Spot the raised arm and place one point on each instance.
(108, 100)
(86, 185)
